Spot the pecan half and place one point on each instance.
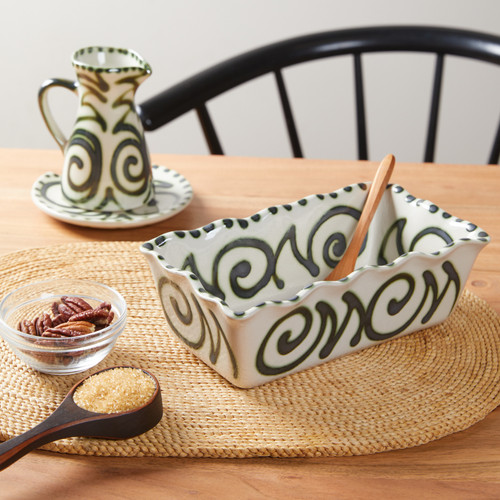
(51, 332)
(27, 326)
(58, 319)
(83, 327)
(77, 304)
(42, 323)
(65, 310)
(96, 316)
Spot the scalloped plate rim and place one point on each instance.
(81, 217)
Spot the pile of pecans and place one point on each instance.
(71, 317)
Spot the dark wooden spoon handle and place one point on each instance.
(60, 424)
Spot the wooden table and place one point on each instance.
(464, 465)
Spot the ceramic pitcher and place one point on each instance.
(106, 160)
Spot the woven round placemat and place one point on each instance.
(402, 393)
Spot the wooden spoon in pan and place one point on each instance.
(346, 264)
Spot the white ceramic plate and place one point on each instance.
(173, 193)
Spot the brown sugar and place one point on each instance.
(115, 391)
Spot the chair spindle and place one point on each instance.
(430, 144)
(495, 150)
(209, 130)
(287, 111)
(360, 109)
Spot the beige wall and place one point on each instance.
(180, 37)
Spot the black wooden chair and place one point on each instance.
(194, 92)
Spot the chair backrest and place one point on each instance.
(194, 92)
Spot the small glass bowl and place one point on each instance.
(65, 355)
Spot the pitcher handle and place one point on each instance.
(43, 102)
